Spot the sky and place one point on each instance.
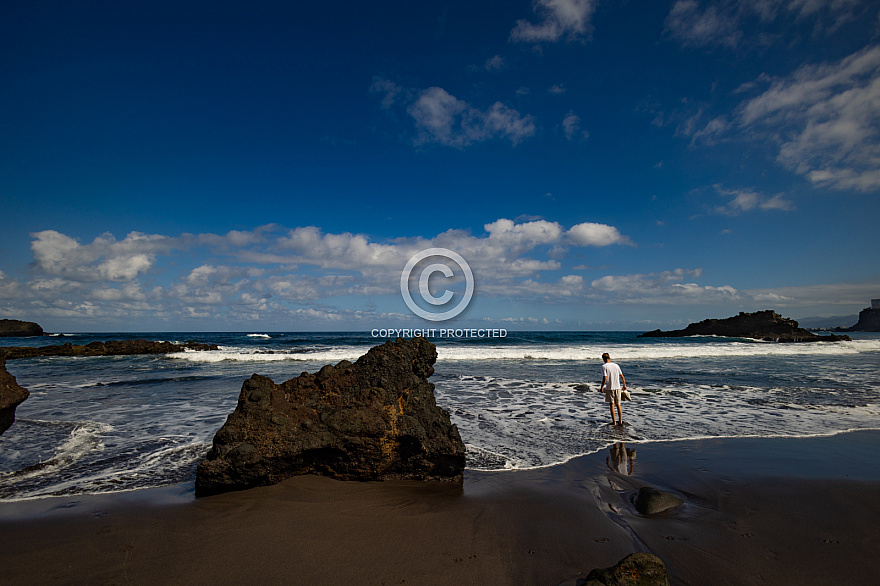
(598, 165)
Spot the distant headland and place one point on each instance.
(13, 328)
(869, 319)
(762, 325)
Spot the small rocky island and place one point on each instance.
(762, 325)
(13, 328)
(372, 420)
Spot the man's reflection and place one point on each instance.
(621, 459)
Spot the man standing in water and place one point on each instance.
(612, 377)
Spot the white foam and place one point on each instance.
(265, 336)
(657, 351)
(520, 424)
(238, 354)
(84, 439)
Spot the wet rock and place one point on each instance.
(650, 501)
(760, 325)
(371, 420)
(637, 569)
(11, 396)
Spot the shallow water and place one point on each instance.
(107, 424)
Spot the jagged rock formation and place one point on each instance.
(15, 328)
(636, 569)
(11, 396)
(762, 325)
(110, 348)
(371, 420)
(869, 321)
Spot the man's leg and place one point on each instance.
(612, 413)
(619, 414)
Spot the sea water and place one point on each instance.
(531, 399)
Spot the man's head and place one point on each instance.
(606, 357)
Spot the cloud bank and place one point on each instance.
(304, 277)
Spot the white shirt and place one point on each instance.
(612, 373)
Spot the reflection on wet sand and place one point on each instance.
(621, 459)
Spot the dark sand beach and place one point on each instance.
(757, 511)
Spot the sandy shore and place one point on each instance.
(757, 511)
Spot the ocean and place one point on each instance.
(528, 400)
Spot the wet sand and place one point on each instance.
(757, 511)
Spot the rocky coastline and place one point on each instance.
(375, 419)
(109, 348)
(766, 325)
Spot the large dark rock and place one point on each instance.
(650, 501)
(371, 420)
(11, 396)
(636, 569)
(110, 348)
(762, 325)
(869, 321)
(20, 329)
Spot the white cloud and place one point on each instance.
(346, 250)
(558, 18)
(747, 200)
(9, 288)
(571, 127)
(639, 283)
(590, 234)
(826, 120)
(836, 294)
(442, 118)
(525, 236)
(693, 25)
(104, 259)
(711, 131)
(494, 63)
(663, 288)
(391, 91)
(720, 23)
(128, 292)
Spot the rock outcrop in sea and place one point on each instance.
(762, 325)
(11, 396)
(109, 348)
(19, 329)
(371, 420)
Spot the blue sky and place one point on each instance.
(599, 165)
